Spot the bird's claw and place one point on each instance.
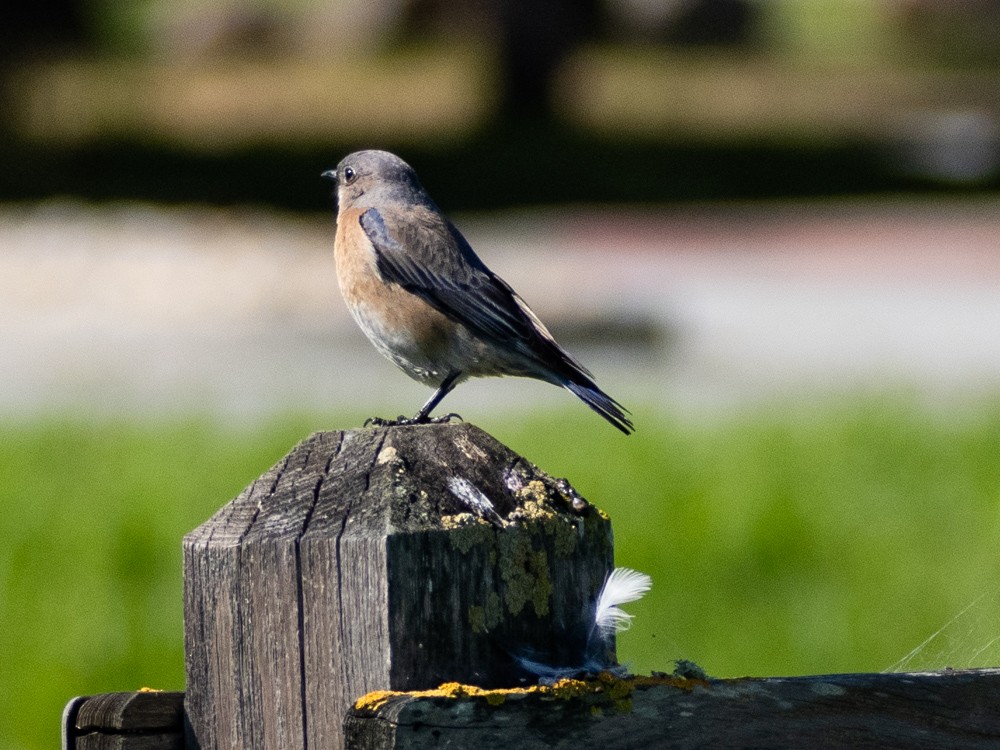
(382, 422)
(402, 421)
(444, 418)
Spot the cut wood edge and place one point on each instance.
(140, 713)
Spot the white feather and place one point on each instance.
(622, 586)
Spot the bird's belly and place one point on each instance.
(414, 337)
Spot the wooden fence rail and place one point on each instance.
(397, 559)
(949, 710)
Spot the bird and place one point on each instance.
(427, 302)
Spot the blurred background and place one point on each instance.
(769, 227)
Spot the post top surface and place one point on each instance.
(389, 480)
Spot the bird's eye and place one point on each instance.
(349, 174)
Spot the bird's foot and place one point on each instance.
(443, 419)
(402, 421)
(382, 422)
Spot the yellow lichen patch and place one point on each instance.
(534, 492)
(536, 504)
(374, 700)
(455, 689)
(149, 690)
(567, 688)
(458, 520)
(617, 691)
(448, 690)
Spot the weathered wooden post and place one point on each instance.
(392, 558)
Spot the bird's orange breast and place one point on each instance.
(401, 325)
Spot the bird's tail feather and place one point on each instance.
(603, 404)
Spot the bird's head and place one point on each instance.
(376, 176)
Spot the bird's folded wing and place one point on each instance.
(428, 257)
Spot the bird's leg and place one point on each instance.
(423, 416)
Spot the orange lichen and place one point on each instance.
(617, 689)
(374, 700)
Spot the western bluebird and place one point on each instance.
(426, 300)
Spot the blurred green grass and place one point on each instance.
(780, 542)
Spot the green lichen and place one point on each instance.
(494, 612)
(495, 698)
(536, 507)
(466, 531)
(541, 592)
(623, 706)
(477, 619)
(533, 492)
(484, 617)
(564, 532)
(525, 573)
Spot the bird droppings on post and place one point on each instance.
(477, 502)
(388, 454)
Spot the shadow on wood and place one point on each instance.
(390, 558)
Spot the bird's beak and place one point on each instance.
(330, 174)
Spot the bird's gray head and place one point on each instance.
(375, 177)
